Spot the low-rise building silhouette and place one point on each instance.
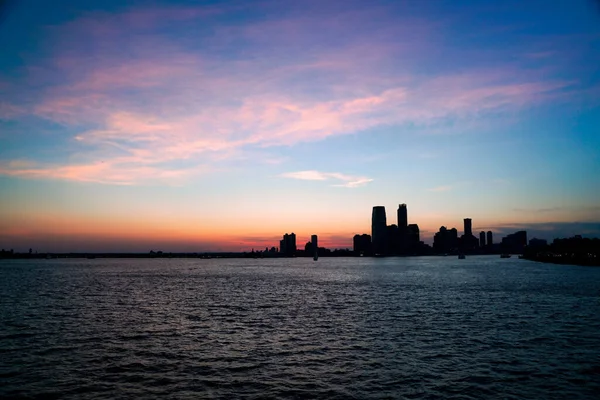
(362, 244)
(414, 237)
(445, 240)
(537, 243)
(515, 242)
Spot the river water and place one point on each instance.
(426, 327)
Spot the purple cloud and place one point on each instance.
(157, 100)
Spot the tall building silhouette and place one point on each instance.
(287, 245)
(482, 239)
(402, 217)
(468, 227)
(378, 230)
(315, 244)
(402, 236)
(490, 239)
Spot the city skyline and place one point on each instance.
(288, 245)
(222, 125)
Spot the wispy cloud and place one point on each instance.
(541, 54)
(348, 181)
(443, 188)
(548, 230)
(557, 209)
(155, 100)
(10, 111)
(306, 175)
(118, 171)
(539, 210)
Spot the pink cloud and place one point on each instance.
(444, 188)
(162, 103)
(348, 181)
(10, 111)
(119, 172)
(268, 120)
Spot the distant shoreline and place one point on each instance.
(38, 256)
(566, 260)
(548, 259)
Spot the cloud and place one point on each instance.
(349, 181)
(356, 182)
(547, 230)
(539, 210)
(444, 188)
(306, 175)
(550, 210)
(116, 171)
(9, 111)
(541, 54)
(155, 100)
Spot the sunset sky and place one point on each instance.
(198, 126)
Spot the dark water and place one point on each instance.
(483, 327)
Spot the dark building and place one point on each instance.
(439, 241)
(490, 239)
(402, 217)
(393, 241)
(515, 242)
(537, 243)
(308, 248)
(362, 244)
(452, 236)
(468, 227)
(413, 236)
(378, 230)
(287, 245)
(482, 239)
(445, 240)
(401, 242)
(468, 242)
(314, 240)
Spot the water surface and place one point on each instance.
(425, 327)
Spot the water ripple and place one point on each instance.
(422, 328)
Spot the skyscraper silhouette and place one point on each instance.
(482, 239)
(287, 245)
(490, 239)
(378, 229)
(402, 217)
(468, 228)
(401, 242)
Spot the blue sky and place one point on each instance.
(218, 125)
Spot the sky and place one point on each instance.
(222, 125)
